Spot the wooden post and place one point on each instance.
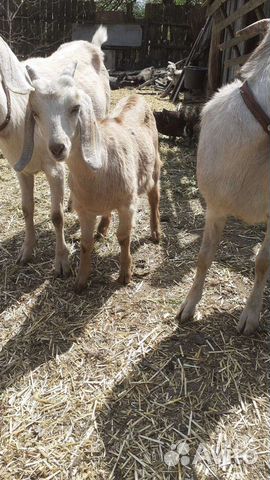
(177, 88)
(214, 57)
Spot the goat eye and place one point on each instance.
(35, 115)
(75, 109)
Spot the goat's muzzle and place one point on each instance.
(58, 150)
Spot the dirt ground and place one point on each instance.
(106, 385)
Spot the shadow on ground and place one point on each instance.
(57, 317)
(193, 383)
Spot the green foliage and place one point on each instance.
(138, 6)
(113, 5)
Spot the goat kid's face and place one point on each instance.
(56, 115)
(64, 117)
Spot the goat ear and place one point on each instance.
(90, 137)
(70, 70)
(32, 73)
(12, 71)
(28, 143)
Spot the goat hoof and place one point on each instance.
(23, 260)
(249, 321)
(24, 257)
(124, 278)
(156, 237)
(79, 287)
(62, 268)
(186, 312)
(62, 273)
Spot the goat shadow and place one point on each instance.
(57, 316)
(190, 386)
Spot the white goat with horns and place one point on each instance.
(92, 77)
(233, 171)
(110, 162)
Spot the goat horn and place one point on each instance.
(258, 27)
(32, 74)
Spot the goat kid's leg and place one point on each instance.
(27, 190)
(87, 224)
(69, 205)
(249, 319)
(154, 199)
(57, 184)
(70, 202)
(213, 229)
(126, 220)
(103, 227)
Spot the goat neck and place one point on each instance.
(15, 126)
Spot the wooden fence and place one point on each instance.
(170, 31)
(37, 27)
(228, 51)
(33, 27)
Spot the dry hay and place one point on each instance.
(105, 385)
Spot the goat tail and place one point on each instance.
(100, 36)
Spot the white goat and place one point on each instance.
(173, 73)
(233, 172)
(92, 77)
(110, 162)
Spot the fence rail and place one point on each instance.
(37, 27)
(229, 51)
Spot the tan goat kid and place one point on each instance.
(111, 162)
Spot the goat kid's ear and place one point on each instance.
(28, 143)
(70, 69)
(90, 137)
(32, 73)
(14, 74)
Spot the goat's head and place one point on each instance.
(171, 67)
(261, 26)
(259, 59)
(13, 76)
(64, 117)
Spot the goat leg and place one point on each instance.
(103, 226)
(27, 190)
(249, 319)
(87, 224)
(56, 181)
(69, 205)
(126, 219)
(154, 199)
(214, 226)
